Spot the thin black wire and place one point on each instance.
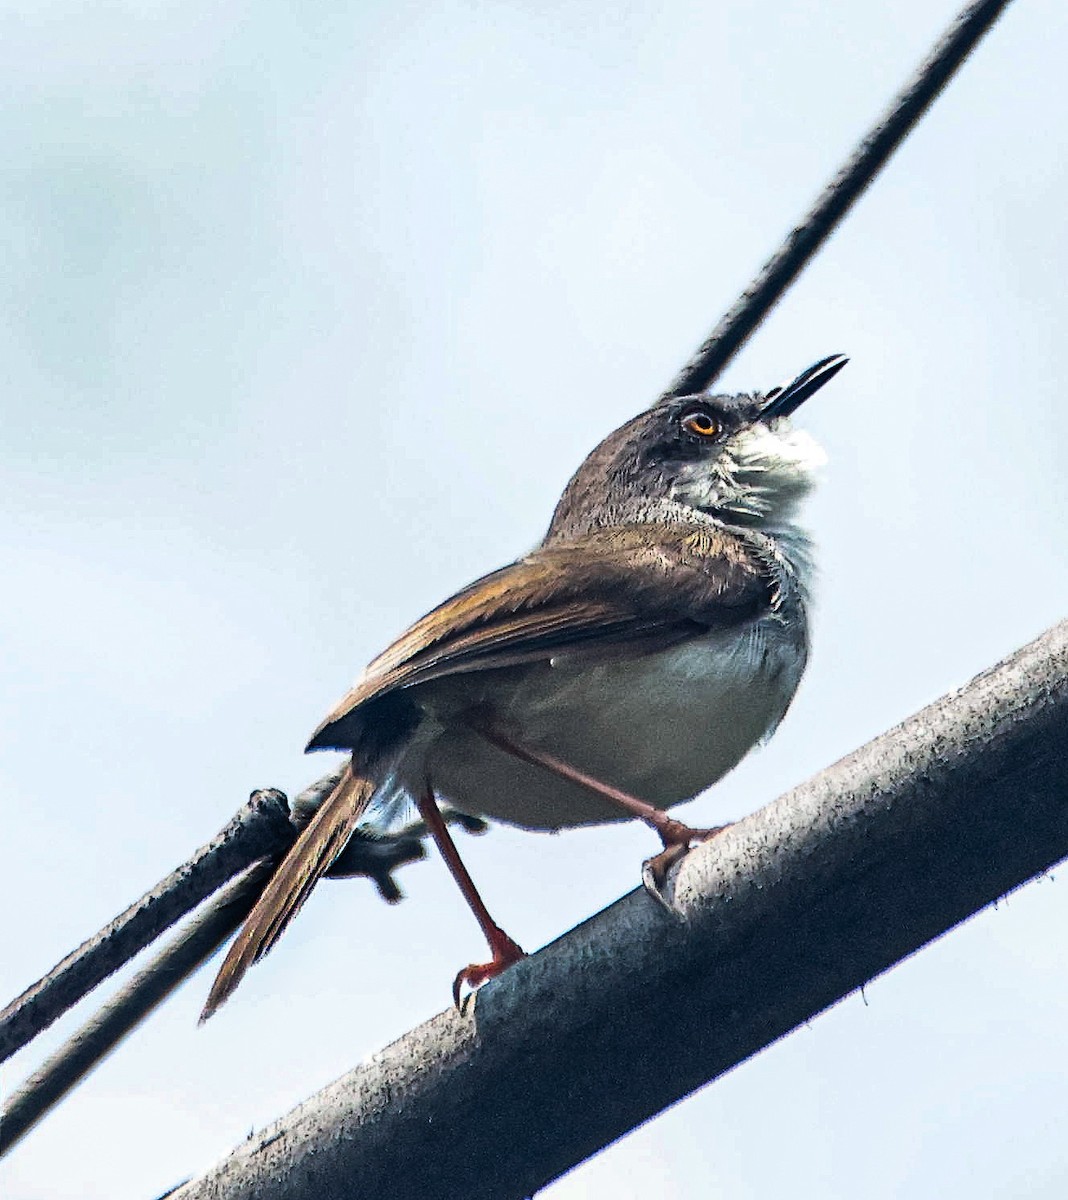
(374, 857)
(144, 993)
(260, 827)
(837, 198)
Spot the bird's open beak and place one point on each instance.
(782, 401)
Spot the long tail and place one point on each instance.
(309, 857)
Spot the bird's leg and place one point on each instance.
(504, 950)
(676, 836)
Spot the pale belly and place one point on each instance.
(662, 727)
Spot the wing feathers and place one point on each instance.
(619, 588)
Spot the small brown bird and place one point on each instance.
(656, 635)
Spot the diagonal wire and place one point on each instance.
(371, 855)
(260, 827)
(144, 993)
(837, 198)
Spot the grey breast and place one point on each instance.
(662, 726)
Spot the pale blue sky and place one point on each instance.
(308, 313)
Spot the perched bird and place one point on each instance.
(657, 634)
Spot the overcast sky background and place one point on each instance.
(309, 311)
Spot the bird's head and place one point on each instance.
(734, 457)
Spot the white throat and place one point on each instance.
(759, 479)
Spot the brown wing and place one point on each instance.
(620, 587)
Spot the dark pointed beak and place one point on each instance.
(782, 401)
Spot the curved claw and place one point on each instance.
(505, 953)
(655, 870)
(655, 873)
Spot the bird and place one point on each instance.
(655, 635)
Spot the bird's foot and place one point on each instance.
(678, 839)
(505, 953)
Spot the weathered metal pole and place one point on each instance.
(778, 918)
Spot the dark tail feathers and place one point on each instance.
(310, 856)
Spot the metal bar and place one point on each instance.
(837, 198)
(778, 918)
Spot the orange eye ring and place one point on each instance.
(700, 423)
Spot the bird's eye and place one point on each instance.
(700, 423)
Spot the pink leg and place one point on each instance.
(504, 950)
(676, 836)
